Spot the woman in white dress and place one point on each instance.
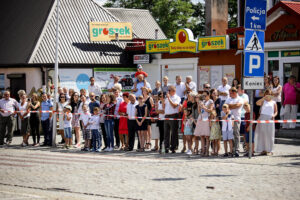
(62, 102)
(265, 132)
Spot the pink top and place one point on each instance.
(290, 93)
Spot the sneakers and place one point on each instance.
(108, 149)
(189, 152)
(37, 145)
(98, 150)
(111, 149)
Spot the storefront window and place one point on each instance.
(2, 83)
(273, 67)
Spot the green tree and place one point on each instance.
(171, 15)
(232, 13)
(198, 19)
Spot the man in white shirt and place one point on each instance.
(138, 90)
(94, 88)
(131, 123)
(111, 85)
(223, 90)
(7, 120)
(235, 104)
(190, 86)
(172, 103)
(180, 88)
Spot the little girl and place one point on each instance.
(141, 111)
(68, 126)
(188, 129)
(215, 133)
(227, 130)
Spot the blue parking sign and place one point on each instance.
(254, 64)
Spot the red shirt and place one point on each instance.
(247, 117)
(142, 72)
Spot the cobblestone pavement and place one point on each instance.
(55, 173)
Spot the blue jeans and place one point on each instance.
(46, 126)
(109, 128)
(68, 132)
(96, 139)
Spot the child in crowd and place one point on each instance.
(141, 111)
(215, 133)
(68, 126)
(94, 126)
(247, 127)
(227, 129)
(188, 129)
(140, 71)
(86, 131)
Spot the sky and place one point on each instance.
(195, 1)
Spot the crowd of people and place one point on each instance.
(112, 120)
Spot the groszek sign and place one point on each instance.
(157, 46)
(106, 31)
(253, 83)
(184, 42)
(141, 59)
(213, 43)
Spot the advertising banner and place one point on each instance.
(184, 42)
(213, 43)
(103, 76)
(157, 46)
(75, 78)
(106, 31)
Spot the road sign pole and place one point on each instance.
(55, 77)
(251, 119)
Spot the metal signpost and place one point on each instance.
(255, 24)
(55, 77)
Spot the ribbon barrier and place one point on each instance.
(172, 119)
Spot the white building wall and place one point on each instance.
(33, 76)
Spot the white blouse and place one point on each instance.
(268, 108)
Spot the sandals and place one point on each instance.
(148, 145)
(154, 149)
(183, 150)
(140, 150)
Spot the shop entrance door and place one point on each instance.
(17, 82)
(292, 68)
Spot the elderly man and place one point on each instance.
(165, 84)
(223, 91)
(111, 85)
(46, 105)
(180, 88)
(190, 86)
(235, 105)
(8, 106)
(131, 121)
(138, 89)
(289, 97)
(94, 88)
(172, 103)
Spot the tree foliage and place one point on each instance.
(171, 15)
